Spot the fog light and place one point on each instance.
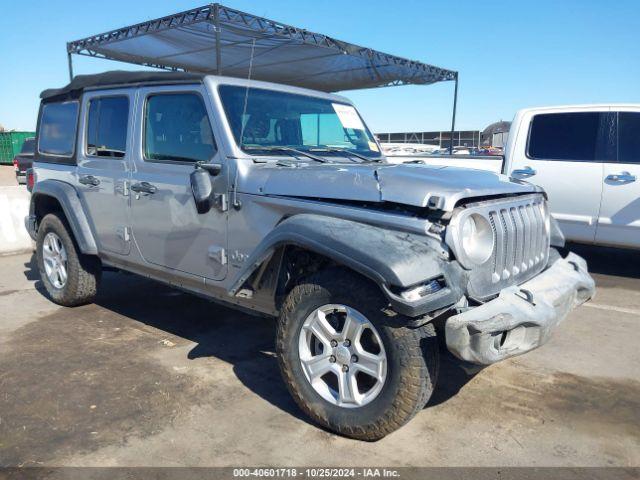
(416, 293)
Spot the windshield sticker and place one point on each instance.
(373, 147)
(348, 116)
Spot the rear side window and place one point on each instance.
(629, 137)
(578, 136)
(57, 131)
(177, 128)
(107, 127)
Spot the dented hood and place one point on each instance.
(406, 184)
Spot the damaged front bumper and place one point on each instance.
(522, 317)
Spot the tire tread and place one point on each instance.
(417, 348)
(83, 271)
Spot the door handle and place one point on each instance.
(144, 187)
(89, 180)
(524, 172)
(623, 177)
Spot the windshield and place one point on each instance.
(263, 120)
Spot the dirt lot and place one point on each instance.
(7, 176)
(152, 376)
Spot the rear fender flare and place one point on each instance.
(68, 198)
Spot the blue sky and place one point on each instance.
(510, 54)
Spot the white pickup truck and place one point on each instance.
(586, 157)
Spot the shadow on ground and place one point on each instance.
(247, 342)
(609, 261)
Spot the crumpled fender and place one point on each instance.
(73, 210)
(393, 260)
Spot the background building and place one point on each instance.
(495, 135)
(468, 138)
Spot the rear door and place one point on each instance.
(103, 166)
(619, 222)
(565, 153)
(174, 132)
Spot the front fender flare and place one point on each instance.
(393, 260)
(68, 198)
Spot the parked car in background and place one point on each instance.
(586, 158)
(277, 200)
(393, 149)
(24, 160)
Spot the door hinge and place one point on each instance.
(222, 202)
(218, 254)
(123, 233)
(122, 188)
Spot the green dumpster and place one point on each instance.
(11, 143)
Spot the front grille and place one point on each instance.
(518, 233)
(520, 247)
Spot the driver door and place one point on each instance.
(174, 132)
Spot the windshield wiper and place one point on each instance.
(347, 152)
(289, 150)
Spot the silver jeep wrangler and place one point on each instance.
(277, 200)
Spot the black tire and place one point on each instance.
(83, 271)
(412, 356)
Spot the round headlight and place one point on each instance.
(476, 238)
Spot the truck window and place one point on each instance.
(629, 137)
(575, 136)
(177, 128)
(57, 131)
(107, 124)
(28, 147)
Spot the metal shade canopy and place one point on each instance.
(215, 39)
(219, 40)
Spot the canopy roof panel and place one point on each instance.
(215, 39)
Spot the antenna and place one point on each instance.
(246, 93)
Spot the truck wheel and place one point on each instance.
(69, 277)
(348, 361)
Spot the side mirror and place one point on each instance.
(201, 188)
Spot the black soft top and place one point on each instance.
(116, 77)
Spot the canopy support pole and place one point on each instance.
(70, 62)
(216, 23)
(453, 116)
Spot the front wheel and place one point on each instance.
(349, 362)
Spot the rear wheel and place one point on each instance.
(349, 362)
(70, 278)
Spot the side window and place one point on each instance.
(577, 136)
(107, 127)
(176, 127)
(629, 137)
(57, 133)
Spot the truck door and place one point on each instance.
(174, 132)
(619, 222)
(103, 166)
(565, 153)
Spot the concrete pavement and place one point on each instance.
(151, 376)
(14, 206)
